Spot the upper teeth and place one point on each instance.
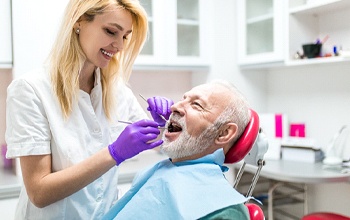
(174, 127)
(106, 53)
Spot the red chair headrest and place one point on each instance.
(246, 141)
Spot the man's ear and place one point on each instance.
(226, 135)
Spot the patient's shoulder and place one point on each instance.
(238, 211)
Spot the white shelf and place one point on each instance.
(6, 66)
(259, 18)
(188, 22)
(299, 63)
(322, 60)
(320, 7)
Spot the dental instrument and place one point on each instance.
(129, 123)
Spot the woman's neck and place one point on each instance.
(87, 79)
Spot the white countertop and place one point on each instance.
(10, 183)
(299, 172)
(129, 168)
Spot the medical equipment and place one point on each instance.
(250, 147)
(332, 156)
(129, 123)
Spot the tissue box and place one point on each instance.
(301, 150)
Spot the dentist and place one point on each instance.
(62, 120)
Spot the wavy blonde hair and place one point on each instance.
(67, 57)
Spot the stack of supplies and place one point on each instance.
(301, 150)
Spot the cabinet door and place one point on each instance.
(176, 33)
(153, 50)
(260, 31)
(5, 34)
(191, 27)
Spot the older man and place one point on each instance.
(191, 185)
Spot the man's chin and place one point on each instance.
(171, 136)
(170, 149)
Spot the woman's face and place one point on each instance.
(105, 36)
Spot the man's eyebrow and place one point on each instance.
(119, 27)
(195, 97)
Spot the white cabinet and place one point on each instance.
(272, 32)
(178, 31)
(260, 31)
(5, 34)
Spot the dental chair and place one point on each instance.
(251, 148)
(324, 216)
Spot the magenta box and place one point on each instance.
(297, 130)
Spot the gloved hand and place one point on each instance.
(159, 106)
(134, 139)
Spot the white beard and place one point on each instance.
(186, 145)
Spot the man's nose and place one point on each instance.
(178, 107)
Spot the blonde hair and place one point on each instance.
(67, 57)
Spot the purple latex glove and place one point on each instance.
(134, 139)
(159, 106)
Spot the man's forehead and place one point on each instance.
(206, 91)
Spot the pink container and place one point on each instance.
(6, 162)
(297, 130)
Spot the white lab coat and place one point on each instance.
(35, 126)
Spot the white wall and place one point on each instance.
(171, 84)
(31, 29)
(317, 95)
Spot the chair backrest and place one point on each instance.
(246, 141)
(243, 149)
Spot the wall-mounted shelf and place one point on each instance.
(301, 22)
(320, 7)
(315, 61)
(259, 18)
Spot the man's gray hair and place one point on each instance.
(236, 111)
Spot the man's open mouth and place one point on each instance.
(174, 127)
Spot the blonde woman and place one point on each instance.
(62, 120)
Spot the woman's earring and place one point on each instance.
(77, 31)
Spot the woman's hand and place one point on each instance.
(135, 138)
(158, 107)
